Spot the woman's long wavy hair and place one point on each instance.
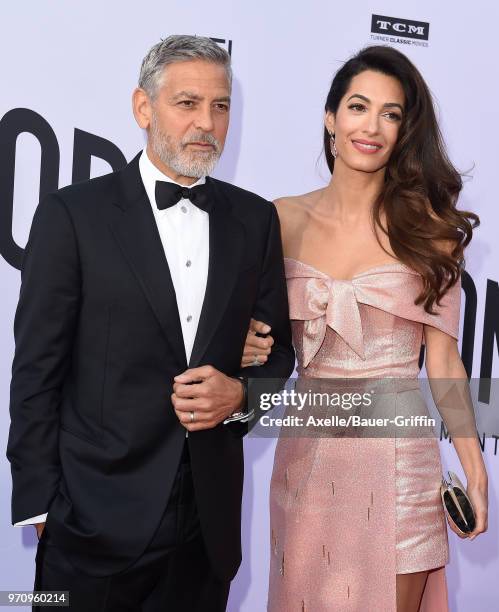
(421, 188)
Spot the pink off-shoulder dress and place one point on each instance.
(348, 514)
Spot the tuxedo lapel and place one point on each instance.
(136, 232)
(227, 243)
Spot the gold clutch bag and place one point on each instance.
(457, 504)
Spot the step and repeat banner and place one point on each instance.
(68, 70)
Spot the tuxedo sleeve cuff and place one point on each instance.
(243, 417)
(41, 518)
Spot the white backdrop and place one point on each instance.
(75, 64)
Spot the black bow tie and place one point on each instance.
(168, 194)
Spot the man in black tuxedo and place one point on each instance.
(136, 297)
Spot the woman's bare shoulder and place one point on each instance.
(293, 213)
(292, 208)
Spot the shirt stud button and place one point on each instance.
(189, 319)
(184, 209)
(188, 263)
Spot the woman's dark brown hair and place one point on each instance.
(421, 187)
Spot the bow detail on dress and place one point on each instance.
(323, 302)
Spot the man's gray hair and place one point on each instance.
(179, 48)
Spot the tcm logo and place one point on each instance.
(381, 24)
(225, 43)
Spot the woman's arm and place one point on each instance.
(443, 362)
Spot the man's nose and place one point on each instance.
(204, 119)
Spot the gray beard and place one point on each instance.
(194, 164)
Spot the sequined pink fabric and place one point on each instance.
(348, 514)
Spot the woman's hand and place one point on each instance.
(477, 492)
(257, 348)
(479, 500)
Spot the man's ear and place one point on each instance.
(142, 110)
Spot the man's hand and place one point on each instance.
(39, 529)
(257, 348)
(208, 394)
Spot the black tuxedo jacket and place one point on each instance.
(94, 439)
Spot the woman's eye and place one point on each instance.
(357, 107)
(393, 116)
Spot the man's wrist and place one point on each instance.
(243, 405)
(241, 414)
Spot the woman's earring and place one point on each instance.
(334, 151)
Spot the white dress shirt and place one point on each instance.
(184, 233)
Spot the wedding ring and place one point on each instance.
(192, 416)
(255, 361)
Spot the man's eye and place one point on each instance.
(186, 103)
(222, 107)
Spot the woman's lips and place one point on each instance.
(365, 146)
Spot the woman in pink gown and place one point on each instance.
(372, 263)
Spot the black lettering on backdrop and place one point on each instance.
(223, 41)
(23, 120)
(13, 123)
(396, 26)
(490, 333)
(469, 323)
(88, 145)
